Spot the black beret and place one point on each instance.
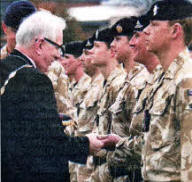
(16, 11)
(75, 48)
(89, 42)
(124, 26)
(170, 10)
(104, 35)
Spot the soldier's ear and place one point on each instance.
(176, 30)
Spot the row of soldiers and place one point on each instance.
(132, 83)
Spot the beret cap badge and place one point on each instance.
(88, 43)
(96, 34)
(119, 28)
(155, 10)
(138, 24)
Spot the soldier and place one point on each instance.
(167, 154)
(79, 85)
(88, 109)
(14, 15)
(121, 110)
(123, 30)
(80, 81)
(114, 76)
(60, 81)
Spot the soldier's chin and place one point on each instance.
(113, 53)
(148, 48)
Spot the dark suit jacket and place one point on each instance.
(33, 144)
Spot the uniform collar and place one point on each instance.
(117, 71)
(177, 64)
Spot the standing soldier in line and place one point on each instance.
(79, 80)
(88, 110)
(137, 75)
(123, 160)
(14, 15)
(114, 75)
(60, 82)
(167, 152)
(79, 85)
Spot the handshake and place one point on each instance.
(97, 142)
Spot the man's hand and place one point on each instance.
(109, 140)
(95, 144)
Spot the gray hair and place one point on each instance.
(41, 23)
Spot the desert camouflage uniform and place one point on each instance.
(127, 155)
(112, 86)
(61, 86)
(167, 153)
(4, 52)
(60, 82)
(77, 93)
(87, 113)
(122, 108)
(88, 108)
(80, 89)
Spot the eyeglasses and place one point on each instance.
(59, 47)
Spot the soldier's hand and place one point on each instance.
(109, 140)
(94, 143)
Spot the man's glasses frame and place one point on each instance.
(59, 47)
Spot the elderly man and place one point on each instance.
(34, 146)
(14, 15)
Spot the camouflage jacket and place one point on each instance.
(127, 153)
(126, 99)
(167, 153)
(60, 82)
(88, 108)
(114, 83)
(79, 90)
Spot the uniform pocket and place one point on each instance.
(162, 132)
